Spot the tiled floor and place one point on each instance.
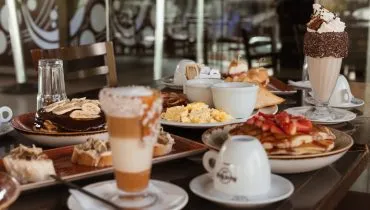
(130, 71)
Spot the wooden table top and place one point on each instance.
(321, 189)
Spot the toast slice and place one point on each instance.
(93, 152)
(265, 98)
(164, 144)
(28, 164)
(192, 71)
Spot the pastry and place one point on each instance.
(93, 152)
(28, 164)
(284, 134)
(74, 115)
(164, 144)
(255, 75)
(237, 66)
(265, 98)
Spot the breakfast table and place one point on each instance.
(320, 189)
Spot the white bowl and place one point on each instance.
(199, 90)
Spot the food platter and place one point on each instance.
(214, 138)
(267, 110)
(61, 158)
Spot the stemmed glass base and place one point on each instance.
(135, 200)
(322, 112)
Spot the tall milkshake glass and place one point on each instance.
(133, 115)
(325, 46)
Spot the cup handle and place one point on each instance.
(210, 155)
(10, 114)
(347, 96)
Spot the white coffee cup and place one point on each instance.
(241, 167)
(341, 93)
(236, 98)
(179, 76)
(199, 90)
(5, 117)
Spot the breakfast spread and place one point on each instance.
(285, 134)
(93, 152)
(164, 144)
(78, 114)
(196, 112)
(171, 99)
(28, 164)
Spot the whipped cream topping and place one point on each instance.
(322, 20)
(124, 101)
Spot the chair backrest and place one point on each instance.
(83, 61)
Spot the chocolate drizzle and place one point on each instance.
(65, 123)
(328, 44)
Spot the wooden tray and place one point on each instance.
(69, 171)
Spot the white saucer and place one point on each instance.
(168, 82)
(355, 102)
(165, 189)
(301, 110)
(5, 128)
(281, 189)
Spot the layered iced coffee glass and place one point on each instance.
(133, 120)
(325, 46)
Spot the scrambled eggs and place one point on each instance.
(197, 112)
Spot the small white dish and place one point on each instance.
(236, 98)
(281, 189)
(5, 128)
(168, 82)
(287, 164)
(199, 90)
(354, 103)
(266, 110)
(346, 115)
(164, 188)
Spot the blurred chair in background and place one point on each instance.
(83, 61)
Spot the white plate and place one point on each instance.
(64, 140)
(301, 110)
(355, 102)
(5, 128)
(267, 110)
(164, 188)
(281, 189)
(168, 82)
(287, 164)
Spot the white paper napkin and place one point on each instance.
(301, 84)
(108, 190)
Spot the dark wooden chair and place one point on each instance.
(83, 61)
(253, 41)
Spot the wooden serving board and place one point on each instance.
(69, 171)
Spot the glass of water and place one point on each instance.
(51, 87)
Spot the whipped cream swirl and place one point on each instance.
(322, 20)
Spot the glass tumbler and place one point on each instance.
(51, 86)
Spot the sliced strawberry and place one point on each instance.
(258, 123)
(266, 116)
(276, 129)
(304, 126)
(290, 128)
(266, 126)
(282, 118)
(251, 121)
